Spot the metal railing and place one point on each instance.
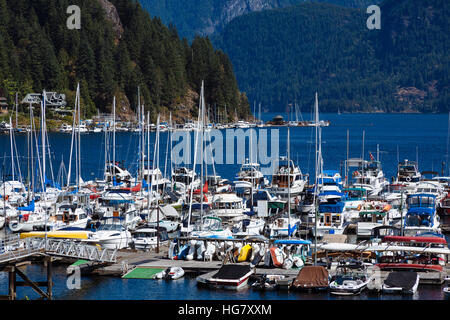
(13, 248)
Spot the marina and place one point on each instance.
(146, 219)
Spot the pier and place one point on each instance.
(17, 253)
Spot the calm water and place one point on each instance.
(424, 136)
(110, 288)
(414, 136)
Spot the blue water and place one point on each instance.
(415, 136)
(111, 288)
(424, 135)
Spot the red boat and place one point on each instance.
(418, 254)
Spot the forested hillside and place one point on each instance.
(204, 17)
(287, 54)
(118, 48)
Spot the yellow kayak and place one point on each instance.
(56, 234)
(245, 253)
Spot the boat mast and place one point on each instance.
(114, 140)
(316, 177)
(73, 136)
(289, 175)
(12, 149)
(201, 151)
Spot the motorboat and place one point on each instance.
(267, 282)
(172, 273)
(184, 179)
(111, 236)
(287, 180)
(65, 128)
(408, 172)
(229, 276)
(227, 205)
(421, 215)
(250, 177)
(210, 226)
(403, 282)
(350, 278)
(311, 278)
(69, 216)
(370, 177)
(147, 238)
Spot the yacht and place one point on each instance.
(370, 176)
(421, 215)
(116, 173)
(65, 128)
(147, 238)
(227, 205)
(281, 186)
(69, 216)
(111, 236)
(408, 172)
(155, 178)
(250, 176)
(184, 179)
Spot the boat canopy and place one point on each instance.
(311, 277)
(415, 239)
(292, 241)
(401, 279)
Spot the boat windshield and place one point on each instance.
(111, 227)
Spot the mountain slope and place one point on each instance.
(205, 17)
(287, 54)
(118, 48)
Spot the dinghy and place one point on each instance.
(172, 273)
(267, 282)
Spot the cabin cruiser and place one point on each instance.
(281, 186)
(147, 238)
(116, 173)
(247, 226)
(372, 215)
(250, 177)
(65, 128)
(370, 176)
(119, 204)
(168, 218)
(227, 205)
(431, 187)
(111, 236)
(210, 227)
(331, 218)
(407, 171)
(184, 179)
(69, 216)
(421, 214)
(154, 178)
(283, 227)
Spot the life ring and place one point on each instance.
(377, 207)
(359, 207)
(408, 179)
